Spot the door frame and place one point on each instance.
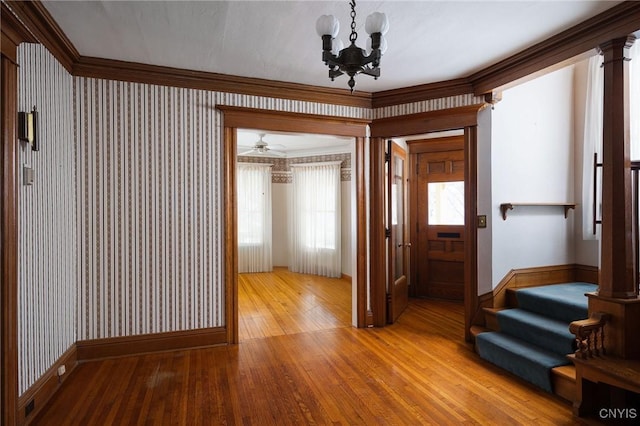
(465, 118)
(234, 118)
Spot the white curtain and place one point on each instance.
(315, 219)
(254, 217)
(592, 144)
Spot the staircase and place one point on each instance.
(531, 337)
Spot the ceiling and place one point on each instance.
(429, 41)
(293, 144)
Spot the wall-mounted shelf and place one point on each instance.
(509, 206)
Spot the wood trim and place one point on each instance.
(178, 77)
(230, 234)
(423, 92)
(46, 31)
(250, 118)
(432, 121)
(240, 117)
(587, 274)
(377, 240)
(47, 385)
(619, 21)
(449, 143)
(471, 228)
(12, 34)
(147, 343)
(361, 229)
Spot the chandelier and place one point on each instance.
(353, 60)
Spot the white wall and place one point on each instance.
(532, 159)
(485, 278)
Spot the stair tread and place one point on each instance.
(566, 371)
(525, 349)
(536, 320)
(530, 362)
(565, 301)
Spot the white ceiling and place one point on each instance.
(294, 144)
(429, 41)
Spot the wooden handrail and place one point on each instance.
(590, 335)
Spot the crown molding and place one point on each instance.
(423, 92)
(13, 33)
(619, 21)
(46, 31)
(167, 76)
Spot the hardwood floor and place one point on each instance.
(320, 371)
(283, 302)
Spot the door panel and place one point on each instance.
(398, 287)
(440, 228)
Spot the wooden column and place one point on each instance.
(617, 274)
(618, 293)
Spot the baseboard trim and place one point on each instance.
(46, 386)
(529, 277)
(148, 343)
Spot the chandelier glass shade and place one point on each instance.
(353, 60)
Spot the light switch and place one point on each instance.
(28, 175)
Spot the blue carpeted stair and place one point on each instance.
(535, 337)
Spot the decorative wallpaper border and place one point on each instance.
(281, 171)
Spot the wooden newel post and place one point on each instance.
(617, 270)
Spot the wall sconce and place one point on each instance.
(28, 128)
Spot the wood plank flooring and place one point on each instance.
(417, 371)
(283, 302)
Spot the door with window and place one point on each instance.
(439, 223)
(398, 238)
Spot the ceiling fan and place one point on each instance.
(263, 148)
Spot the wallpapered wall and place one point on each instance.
(48, 233)
(121, 234)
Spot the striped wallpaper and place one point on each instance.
(428, 105)
(48, 252)
(149, 171)
(122, 232)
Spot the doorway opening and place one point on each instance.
(235, 118)
(292, 278)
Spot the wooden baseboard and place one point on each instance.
(530, 277)
(86, 350)
(346, 277)
(46, 386)
(146, 343)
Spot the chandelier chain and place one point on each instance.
(354, 35)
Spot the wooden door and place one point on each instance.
(398, 281)
(439, 222)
